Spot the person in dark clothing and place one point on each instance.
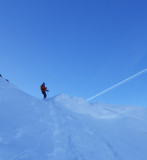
(43, 90)
(0, 75)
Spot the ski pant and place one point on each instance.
(44, 93)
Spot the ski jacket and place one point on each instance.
(43, 88)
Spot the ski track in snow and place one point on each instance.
(58, 114)
(113, 150)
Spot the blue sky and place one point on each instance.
(78, 47)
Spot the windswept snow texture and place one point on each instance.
(64, 128)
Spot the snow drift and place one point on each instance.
(63, 128)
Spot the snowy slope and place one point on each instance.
(64, 128)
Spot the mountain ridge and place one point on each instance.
(62, 128)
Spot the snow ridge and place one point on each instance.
(63, 128)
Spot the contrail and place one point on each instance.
(118, 84)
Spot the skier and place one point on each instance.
(0, 75)
(43, 89)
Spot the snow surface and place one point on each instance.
(64, 128)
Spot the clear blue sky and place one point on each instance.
(78, 47)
